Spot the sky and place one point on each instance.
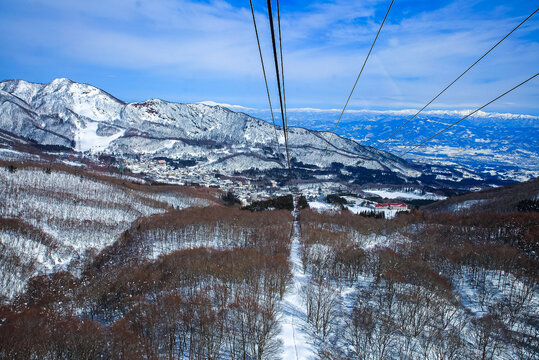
(192, 51)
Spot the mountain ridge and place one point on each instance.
(214, 138)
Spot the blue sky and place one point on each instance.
(190, 51)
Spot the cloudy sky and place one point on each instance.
(191, 51)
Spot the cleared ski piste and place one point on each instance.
(297, 344)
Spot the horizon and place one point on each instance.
(254, 112)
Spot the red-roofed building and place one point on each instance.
(392, 208)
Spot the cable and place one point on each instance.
(454, 81)
(282, 67)
(265, 80)
(357, 79)
(270, 15)
(470, 114)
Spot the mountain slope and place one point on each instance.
(53, 218)
(86, 118)
(503, 199)
(211, 139)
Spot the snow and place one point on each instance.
(228, 106)
(11, 155)
(71, 214)
(465, 205)
(390, 214)
(89, 140)
(72, 163)
(410, 112)
(388, 194)
(358, 209)
(322, 206)
(296, 342)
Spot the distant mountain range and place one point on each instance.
(209, 138)
(500, 144)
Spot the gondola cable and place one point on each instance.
(275, 57)
(282, 69)
(454, 81)
(359, 75)
(470, 114)
(265, 80)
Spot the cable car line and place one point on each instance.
(454, 81)
(359, 75)
(265, 80)
(470, 114)
(282, 68)
(275, 57)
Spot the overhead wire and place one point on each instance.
(359, 75)
(282, 68)
(454, 81)
(470, 114)
(275, 57)
(265, 79)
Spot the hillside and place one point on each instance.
(56, 218)
(210, 139)
(221, 283)
(503, 200)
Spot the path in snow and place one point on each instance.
(297, 344)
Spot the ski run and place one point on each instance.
(297, 343)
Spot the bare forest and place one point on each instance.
(96, 267)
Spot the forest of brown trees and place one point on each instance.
(456, 286)
(197, 303)
(101, 270)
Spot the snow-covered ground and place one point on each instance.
(358, 209)
(322, 206)
(355, 208)
(89, 140)
(465, 205)
(389, 194)
(297, 344)
(64, 215)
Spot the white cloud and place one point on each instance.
(325, 42)
(183, 36)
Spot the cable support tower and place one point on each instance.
(358, 76)
(470, 114)
(454, 81)
(275, 57)
(265, 80)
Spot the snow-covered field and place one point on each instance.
(389, 194)
(90, 140)
(322, 206)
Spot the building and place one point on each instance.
(390, 210)
(392, 206)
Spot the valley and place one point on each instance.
(159, 230)
(97, 266)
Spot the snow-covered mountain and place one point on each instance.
(86, 118)
(502, 144)
(208, 138)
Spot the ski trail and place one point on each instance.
(296, 342)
